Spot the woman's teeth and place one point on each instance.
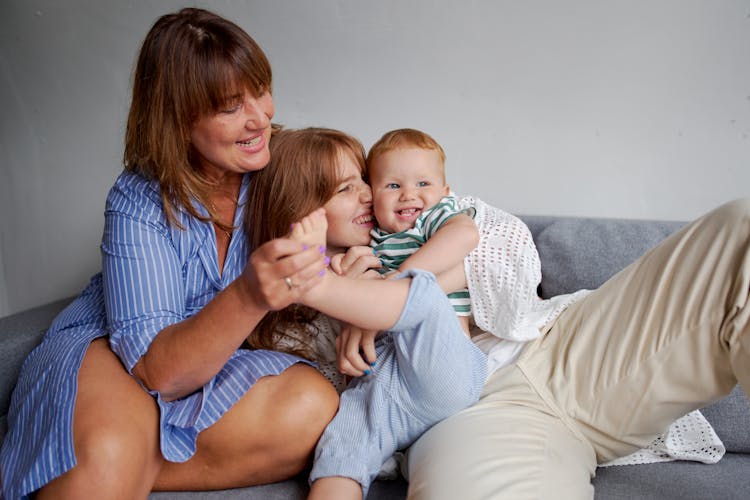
(363, 219)
(251, 142)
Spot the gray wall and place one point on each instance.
(632, 108)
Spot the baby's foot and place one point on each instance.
(311, 230)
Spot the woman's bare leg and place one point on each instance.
(115, 434)
(268, 435)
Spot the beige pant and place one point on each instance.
(665, 336)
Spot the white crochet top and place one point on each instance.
(502, 275)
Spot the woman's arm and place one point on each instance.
(186, 355)
(153, 328)
(368, 304)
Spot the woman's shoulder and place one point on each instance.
(132, 193)
(132, 184)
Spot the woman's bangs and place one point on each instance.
(251, 71)
(223, 79)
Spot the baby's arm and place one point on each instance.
(447, 247)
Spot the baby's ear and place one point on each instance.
(446, 190)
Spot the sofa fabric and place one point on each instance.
(582, 253)
(575, 253)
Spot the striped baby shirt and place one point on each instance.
(394, 248)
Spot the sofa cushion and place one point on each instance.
(291, 489)
(678, 480)
(579, 253)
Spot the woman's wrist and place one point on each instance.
(246, 296)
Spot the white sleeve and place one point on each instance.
(502, 273)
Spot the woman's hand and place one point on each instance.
(280, 271)
(351, 344)
(357, 262)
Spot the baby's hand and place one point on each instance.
(351, 345)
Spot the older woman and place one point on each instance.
(141, 383)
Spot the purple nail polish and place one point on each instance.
(304, 247)
(327, 261)
(322, 272)
(322, 249)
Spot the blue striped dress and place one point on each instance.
(153, 275)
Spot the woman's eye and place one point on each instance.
(231, 109)
(345, 188)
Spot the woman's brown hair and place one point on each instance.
(303, 175)
(190, 64)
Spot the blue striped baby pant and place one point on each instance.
(427, 369)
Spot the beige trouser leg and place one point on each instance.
(509, 445)
(668, 334)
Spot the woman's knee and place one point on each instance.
(110, 463)
(278, 422)
(733, 213)
(115, 425)
(306, 401)
(110, 449)
(500, 450)
(268, 435)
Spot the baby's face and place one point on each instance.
(405, 182)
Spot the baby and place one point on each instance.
(419, 224)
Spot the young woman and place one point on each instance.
(544, 421)
(313, 168)
(426, 369)
(140, 383)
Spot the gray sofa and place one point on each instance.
(575, 253)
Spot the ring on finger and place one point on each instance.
(288, 282)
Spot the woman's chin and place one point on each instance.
(364, 240)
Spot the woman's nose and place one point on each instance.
(258, 111)
(365, 194)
